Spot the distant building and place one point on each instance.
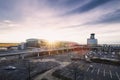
(32, 43)
(35, 43)
(3, 49)
(12, 48)
(22, 46)
(92, 41)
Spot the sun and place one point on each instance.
(51, 38)
(51, 35)
(51, 43)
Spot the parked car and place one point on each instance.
(10, 68)
(91, 66)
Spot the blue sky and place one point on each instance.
(69, 20)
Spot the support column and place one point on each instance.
(49, 53)
(38, 55)
(67, 50)
(22, 56)
(62, 51)
(19, 57)
(57, 52)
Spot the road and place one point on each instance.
(33, 51)
(48, 74)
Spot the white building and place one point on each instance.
(92, 41)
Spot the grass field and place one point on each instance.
(8, 44)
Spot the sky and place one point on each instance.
(66, 20)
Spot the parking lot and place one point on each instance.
(91, 71)
(80, 69)
(102, 72)
(24, 69)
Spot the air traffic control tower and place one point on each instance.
(92, 41)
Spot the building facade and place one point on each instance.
(92, 41)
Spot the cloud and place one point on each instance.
(7, 27)
(43, 19)
(6, 24)
(8, 10)
(110, 18)
(88, 6)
